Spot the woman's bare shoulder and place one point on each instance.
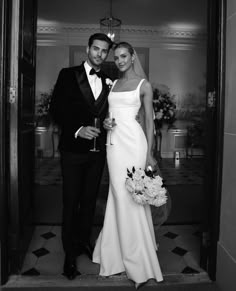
(146, 86)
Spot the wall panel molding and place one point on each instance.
(51, 34)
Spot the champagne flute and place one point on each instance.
(96, 123)
(110, 120)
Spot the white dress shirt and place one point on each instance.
(94, 82)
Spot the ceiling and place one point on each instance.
(188, 14)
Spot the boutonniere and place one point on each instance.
(109, 82)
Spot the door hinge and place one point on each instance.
(12, 95)
(211, 99)
(206, 239)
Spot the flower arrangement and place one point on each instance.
(145, 188)
(164, 107)
(42, 108)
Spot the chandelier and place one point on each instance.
(111, 25)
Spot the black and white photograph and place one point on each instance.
(117, 140)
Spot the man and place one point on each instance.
(80, 95)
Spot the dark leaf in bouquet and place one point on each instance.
(133, 169)
(129, 174)
(149, 173)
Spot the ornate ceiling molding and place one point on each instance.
(49, 33)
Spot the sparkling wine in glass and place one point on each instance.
(96, 123)
(110, 119)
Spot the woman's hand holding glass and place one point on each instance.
(109, 124)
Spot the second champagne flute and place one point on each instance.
(96, 123)
(111, 120)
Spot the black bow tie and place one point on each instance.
(98, 73)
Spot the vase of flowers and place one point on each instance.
(164, 108)
(42, 109)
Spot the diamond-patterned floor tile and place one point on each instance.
(30, 262)
(52, 264)
(188, 242)
(189, 270)
(54, 245)
(170, 263)
(173, 254)
(57, 230)
(40, 252)
(179, 251)
(192, 259)
(31, 272)
(48, 235)
(166, 244)
(40, 229)
(171, 235)
(86, 266)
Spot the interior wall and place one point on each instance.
(226, 255)
(183, 71)
(50, 60)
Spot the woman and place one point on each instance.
(127, 241)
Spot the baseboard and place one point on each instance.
(226, 269)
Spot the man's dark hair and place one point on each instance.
(102, 37)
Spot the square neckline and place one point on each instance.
(126, 90)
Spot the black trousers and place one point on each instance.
(81, 174)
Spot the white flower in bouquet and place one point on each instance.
(145, 188)
(159, 201)
(139, 198)
(158, 181)
(130, 185)
(138, 174)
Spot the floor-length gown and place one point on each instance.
(127, 241)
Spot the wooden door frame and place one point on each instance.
(14, 128)
(22, 68)
(215, 130)
(4, 138)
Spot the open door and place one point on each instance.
(4, 64)
(214, 132)
(22, 126)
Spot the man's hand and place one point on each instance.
(89, 132)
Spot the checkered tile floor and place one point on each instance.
(186, 171)
(178, 251)
(179, 245)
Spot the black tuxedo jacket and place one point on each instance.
(73, 105)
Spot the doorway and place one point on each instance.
(184, 175)
(164, 163)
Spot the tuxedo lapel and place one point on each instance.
(96, 106)
(84, 86)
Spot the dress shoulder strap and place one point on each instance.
(113, 84)
(139, 85)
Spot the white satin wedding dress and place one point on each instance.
(127, 241)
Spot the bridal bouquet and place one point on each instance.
(145, 188)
